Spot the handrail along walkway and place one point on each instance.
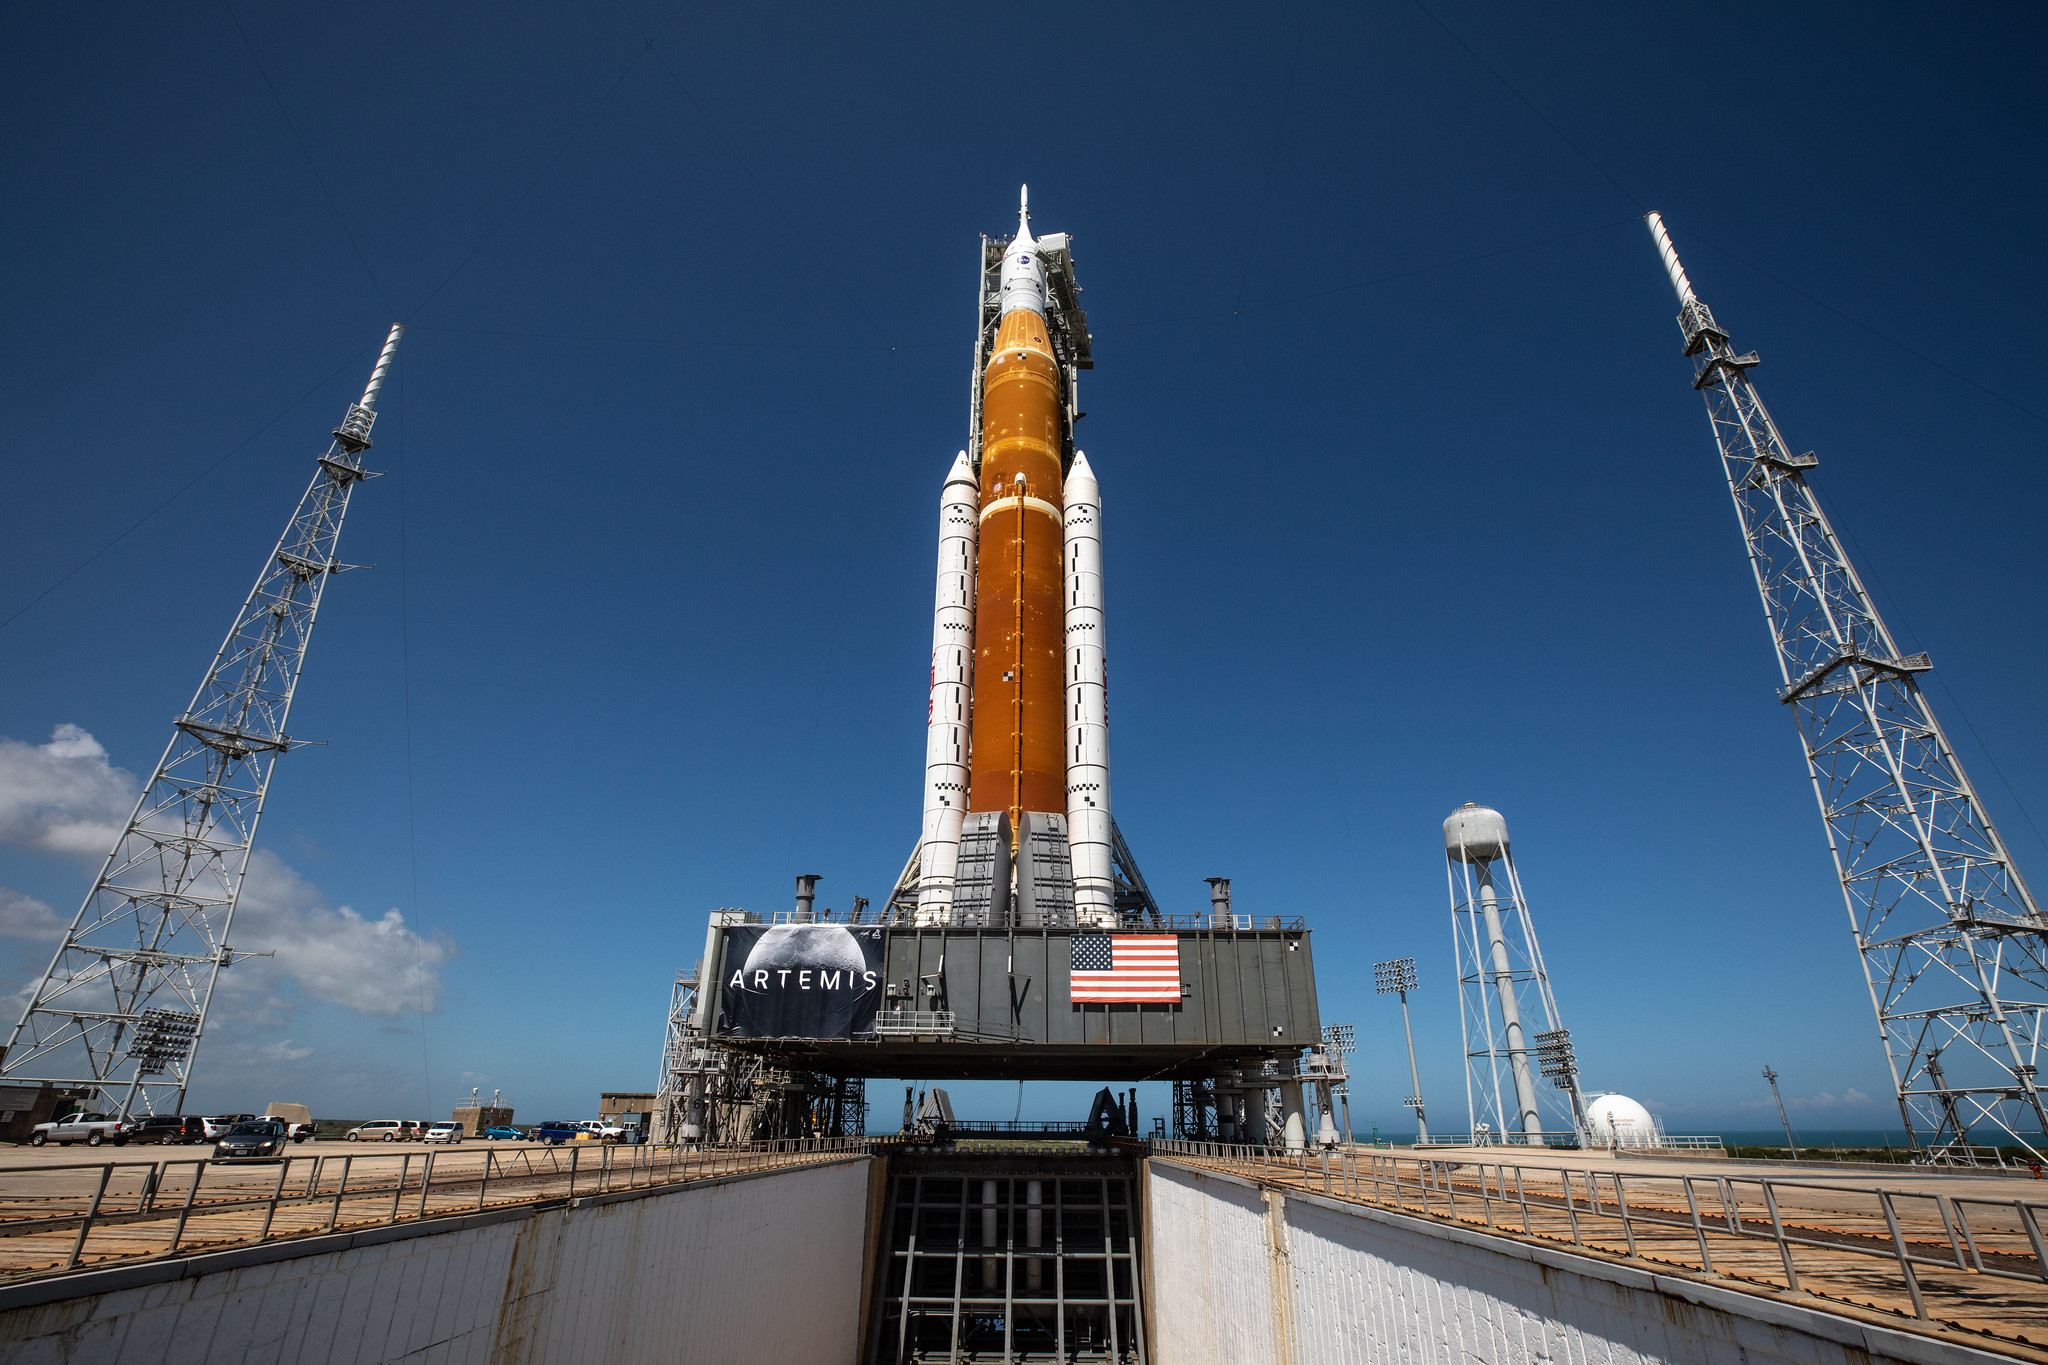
(1857, 1244)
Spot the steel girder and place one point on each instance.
(1953, 945)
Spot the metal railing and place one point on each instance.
(1567, 1139)
(59, 1218)
(1744, 1228)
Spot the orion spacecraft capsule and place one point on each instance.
(1018, 721)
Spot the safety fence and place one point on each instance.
(1961, 1255)
(1567, 1140)
(59, 1218)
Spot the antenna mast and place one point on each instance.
(1952, 942)
(125, 998)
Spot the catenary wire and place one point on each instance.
(434, 293)
(740, 161)
(412, 835)
(318, 179)
(542, 174)
(187, 486)
(825, 673)
(1244, 274)
(1273, 486)
(1868, 568)
(1858, 322)
(1635, 199)
(663, 341)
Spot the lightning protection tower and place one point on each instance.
(1951, 939)
(122, 1008)
(1503, 989)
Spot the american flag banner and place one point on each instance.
(1126, 968)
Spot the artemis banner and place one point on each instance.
(800, 981)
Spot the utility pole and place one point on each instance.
(1953, 945)
(1790, 1141)
(126, 994)
(1398, 977)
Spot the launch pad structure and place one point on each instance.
(1021, 941)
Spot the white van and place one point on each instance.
(380, 1130)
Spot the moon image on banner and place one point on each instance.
(800, 981)
(806, 945)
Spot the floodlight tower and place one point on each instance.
(1398, 976)
(1953, 945)
(1500, 976)
(126, 994)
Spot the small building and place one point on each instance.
(478, 1115)
(22, 1107)
(627, 1108)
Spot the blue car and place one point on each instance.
(504, 1134)
(557, 1131)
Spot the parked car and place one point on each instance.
(504, 1133)
(379, 1130)
(443, 1132)
(219, 1125)
(604, 1130)
(558, 1131)
(254, 1140)
(415, 1129)
(90, 1129)
(182, 1129)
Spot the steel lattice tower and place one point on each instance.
(1951, 939)
(126, 994)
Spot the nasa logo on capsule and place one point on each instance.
(804, 957)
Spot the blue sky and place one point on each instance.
(1407, 499)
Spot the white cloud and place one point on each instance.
(283, 1051)
(64, 796)
(23, 916)
(379, 966)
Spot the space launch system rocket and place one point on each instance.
(1017, 736)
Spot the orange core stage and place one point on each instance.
(1018, 753)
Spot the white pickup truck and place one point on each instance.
(90, 1129)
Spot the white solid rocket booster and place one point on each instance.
(945, 750)
(1087, 697)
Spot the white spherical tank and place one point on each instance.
(1475, 834)
(1618, 1121)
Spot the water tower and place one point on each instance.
(1513, 1033)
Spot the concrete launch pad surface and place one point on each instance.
(1977, 1272)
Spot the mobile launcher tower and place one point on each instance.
(1020, 941)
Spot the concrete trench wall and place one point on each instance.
(764, 1266)
(1239, 1273)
